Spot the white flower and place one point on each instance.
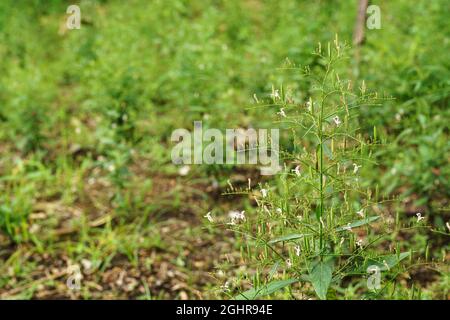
(309, 105)
(337, 121)
(359, 243)
(288, 263)
(419, 216)
(399, 115)
(264, 192)
(348, 227)
(321, 222)
(297, 250)
(279, 211)
(209, 217)
(233, 214)
(236, 216)
(356, 168)
(360, 213)
(225, 287)
(297, 170)
(282, 113)
(275, 95)
(111, 168)
(184, 170)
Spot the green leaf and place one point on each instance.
(327, 151)
(387, 262)
(320, 276)
(269, 288)
(274, 269)
(358, 223)
(287, 238)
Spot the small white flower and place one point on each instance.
(297, 170)
(360, 213)
(282, 113)
(184, 170)
(275, 95)
(111, 168)
(264, 192)
(236, 216)
(309, 105)
(233, 214)
(297, 251)
(279, 211)
(337, 121)
(419, 217)
(225, 287)
(209, 217)
(359, 243)
(321, 222)
(289, 263)
(356, 168)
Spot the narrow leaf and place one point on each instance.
(269, 288)
(357, 223)
(287, 238)
(387, 262)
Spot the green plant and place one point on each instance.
(315, 223)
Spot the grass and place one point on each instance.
(86, 177)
